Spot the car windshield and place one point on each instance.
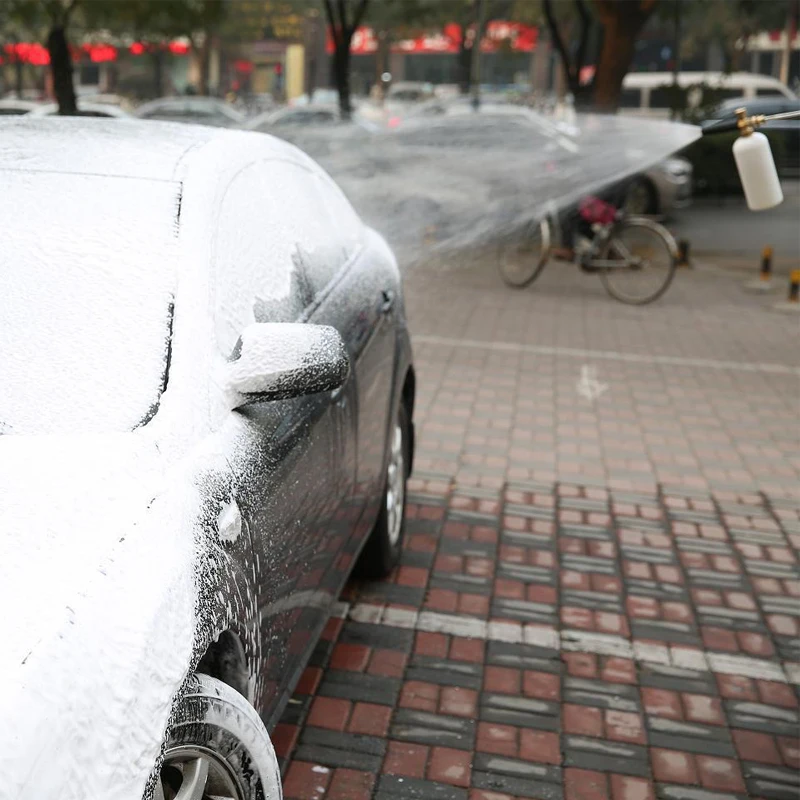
(86, 287)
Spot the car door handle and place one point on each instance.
(387, 301)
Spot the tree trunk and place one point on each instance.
(205, 57)
(158, 71)
(341, 73)
(615, 60)
(463, 64)
(61, 68)
(382, 63)
(18, 77)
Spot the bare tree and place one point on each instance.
(622, 22)
(60, 58)
(572, 65)
(343, 25)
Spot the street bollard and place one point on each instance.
(792, 303)
(794, 287)
(764, 282)
(766, 263)
(683, 253)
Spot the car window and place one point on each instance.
(86, 289)
(630, 98)
(284, 231)
(305, 118)
(769, 93)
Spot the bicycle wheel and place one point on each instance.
(522, 263)
(648, 256)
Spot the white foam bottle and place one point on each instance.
(756, 166)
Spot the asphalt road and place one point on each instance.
(724, 232)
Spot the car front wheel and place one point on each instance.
(217, 748)
(382, 549)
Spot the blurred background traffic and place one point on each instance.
(330, 74)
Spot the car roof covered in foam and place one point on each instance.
(120, 148)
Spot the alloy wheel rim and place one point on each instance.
(193, 773)
(395, 486)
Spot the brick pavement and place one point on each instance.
(702, 387)
(597, 598)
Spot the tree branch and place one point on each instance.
(359, 15)
(557, 39)
(335, 32)
(583, 43)
(69, 9)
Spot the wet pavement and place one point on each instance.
(599, 594)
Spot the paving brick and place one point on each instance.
(458, 702)
(776, 694)
(543, 685)
(618, 670)
(388, 663)
(284, 739)
(662, 703)
(673, 766)
(754, 746)
(628, 787)
(583, 720)
(704, 709)
(370, 719)
(404, 758)
(433, 729)
(350, 784)
(737, 687)
(499, 739)
(502, 679)
(790, 751)
(539, 746)
(623, 726)
(328, 712)
(350, 657)
(462, 649)
(604, 755)
(420, 696)
(309, 681)
(722, 774)
(582, 784)
(450, 766)
(305, 781)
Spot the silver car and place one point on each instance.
(662, 188)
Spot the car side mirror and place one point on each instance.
(281, 360)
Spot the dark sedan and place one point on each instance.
(206, 409)
(784, 134)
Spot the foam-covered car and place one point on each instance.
(205, 424)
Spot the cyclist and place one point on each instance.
(593, 209)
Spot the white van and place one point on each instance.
(647, 93)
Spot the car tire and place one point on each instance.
(217, 737)
(641, 198)
(382, 549)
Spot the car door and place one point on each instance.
(361, 302)
(283, 454)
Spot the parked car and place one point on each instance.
(84, 110)
(649, 93)
(660, 189)
(198, 110)
(12, 106)
(657, 191)
(303, 116)
(307, 114)
(784, 134)
(206, 404)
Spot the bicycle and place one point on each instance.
(635, 257)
